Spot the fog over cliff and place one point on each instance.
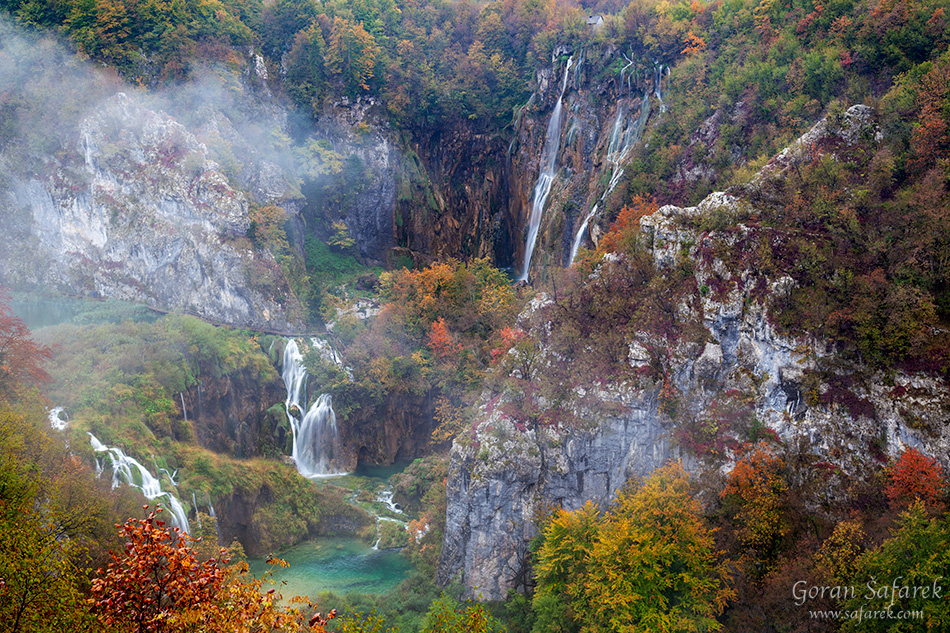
(107, 190)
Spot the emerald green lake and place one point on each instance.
(340, 565)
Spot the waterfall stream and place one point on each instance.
(617, 150)
(316, 436)
(552, 143)
(129, 470)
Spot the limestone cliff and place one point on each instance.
(501, 477)
(230, 414)
(608, 100)
(136, 210)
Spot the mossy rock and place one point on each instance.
(392, 535)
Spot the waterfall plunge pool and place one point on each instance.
(339, 565)
(345, 564)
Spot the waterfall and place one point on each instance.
(184, 411)
(660, 70)
(616, 153)
(576, 244)
(194, 503)
(56, 420)
(171, 476)
(386, 497)
(626, 82)
(542, 187)
(127, 469)
(316, 437)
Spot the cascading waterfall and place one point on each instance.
(194, 502)
(386, 497)
(552, 143)
(127, 469)
(316, 437)
(184, 411)
(616, 156)
(56, 418)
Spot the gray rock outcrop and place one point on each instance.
(142, 214)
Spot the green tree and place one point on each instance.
(351, 54)
(918, 555)
(448, 616)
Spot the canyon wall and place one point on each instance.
(502, 479)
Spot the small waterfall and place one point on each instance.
(56, 418)
(194, 503)
(127, 469)
(380, 520)
(552, 143)
(316, 437)
(626, 81)
(659, 71)
(386, 497)
(171, 476)
(576, 244)
(184, 411)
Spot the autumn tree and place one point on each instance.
(648, 564)
(624, 231)
(446, 615)
(21, 358)
(916, 556)
(351, 54)
(914, 476)
(158, 584)
(52, 513)
(441, 341)
(756, 492)
(561, 568)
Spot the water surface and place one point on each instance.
(340, 565)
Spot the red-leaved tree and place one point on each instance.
(21, 358)
(914, 476)
(158, 585)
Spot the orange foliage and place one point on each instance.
(695, 44)
(932, 135)
(758, 487)
(158, 585)
(914, 476)
(509, 338)
(626, 227)
(441, 341)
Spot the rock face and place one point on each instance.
(140, 213)
(453, 195)
(230, 414)
(364, 193)
(497, 491)
(605, 115)
(396, 430)
(500, 477)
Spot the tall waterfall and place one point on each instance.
(617, 147)
(552, 143)
(316, 437)
(127, 469)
